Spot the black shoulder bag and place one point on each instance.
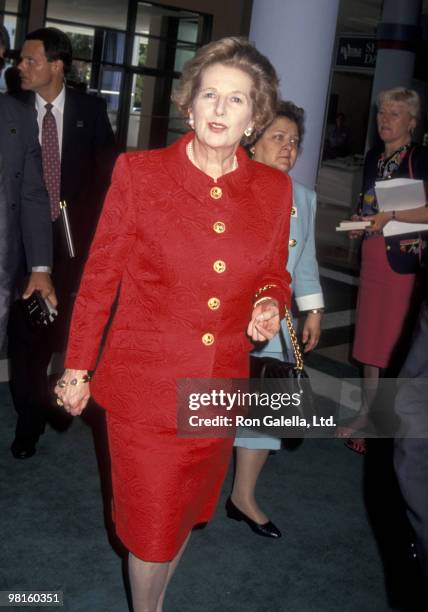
(289, 377)
(407, 253)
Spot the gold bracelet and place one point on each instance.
(262, 299)
(259, 291)
(74, 381)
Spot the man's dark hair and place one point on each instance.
(56, 43)
(4, 38)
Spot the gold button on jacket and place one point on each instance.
(292, 242)
(213, 303)
(208, 339)
(219, 227)
(219, 266)
(293, 211)
(216, 193)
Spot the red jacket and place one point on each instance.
(189, 255)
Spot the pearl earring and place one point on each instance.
(248, 131)
(191, 122)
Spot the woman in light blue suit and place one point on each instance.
(278, 147)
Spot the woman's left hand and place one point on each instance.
(264, 322)
(311, 331)
(377, 222)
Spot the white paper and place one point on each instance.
(346, 226)
(393, 228)
(400, 194)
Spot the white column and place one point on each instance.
(395, 60)
(298, 37)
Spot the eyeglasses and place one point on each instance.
(285, 140)
(292, 142)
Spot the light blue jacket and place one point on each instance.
(302, 261)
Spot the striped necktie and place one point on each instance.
(51, 160)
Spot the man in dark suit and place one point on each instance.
(85, 138)
(78, 152)
(411, 447)
(26, 232)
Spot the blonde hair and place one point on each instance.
(236, 52)
(409, 97)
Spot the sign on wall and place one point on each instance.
(356, 52)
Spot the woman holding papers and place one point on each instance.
(387, 296)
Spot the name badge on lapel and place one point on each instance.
(80, 124)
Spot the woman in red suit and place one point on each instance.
(193, 236)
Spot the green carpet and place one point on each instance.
(54, 534)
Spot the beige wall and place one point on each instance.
(230, 17)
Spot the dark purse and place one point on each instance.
(408, 253)
(270, 375)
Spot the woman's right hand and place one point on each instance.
(265, 322)
(355, 233)
(72, 391)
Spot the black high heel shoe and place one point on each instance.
(268, 530)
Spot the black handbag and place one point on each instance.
(270, 375)
(408, 253)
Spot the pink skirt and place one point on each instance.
(384, 303)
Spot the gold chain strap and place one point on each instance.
(294, 342)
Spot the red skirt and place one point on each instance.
(383, 305)
(162, 485)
